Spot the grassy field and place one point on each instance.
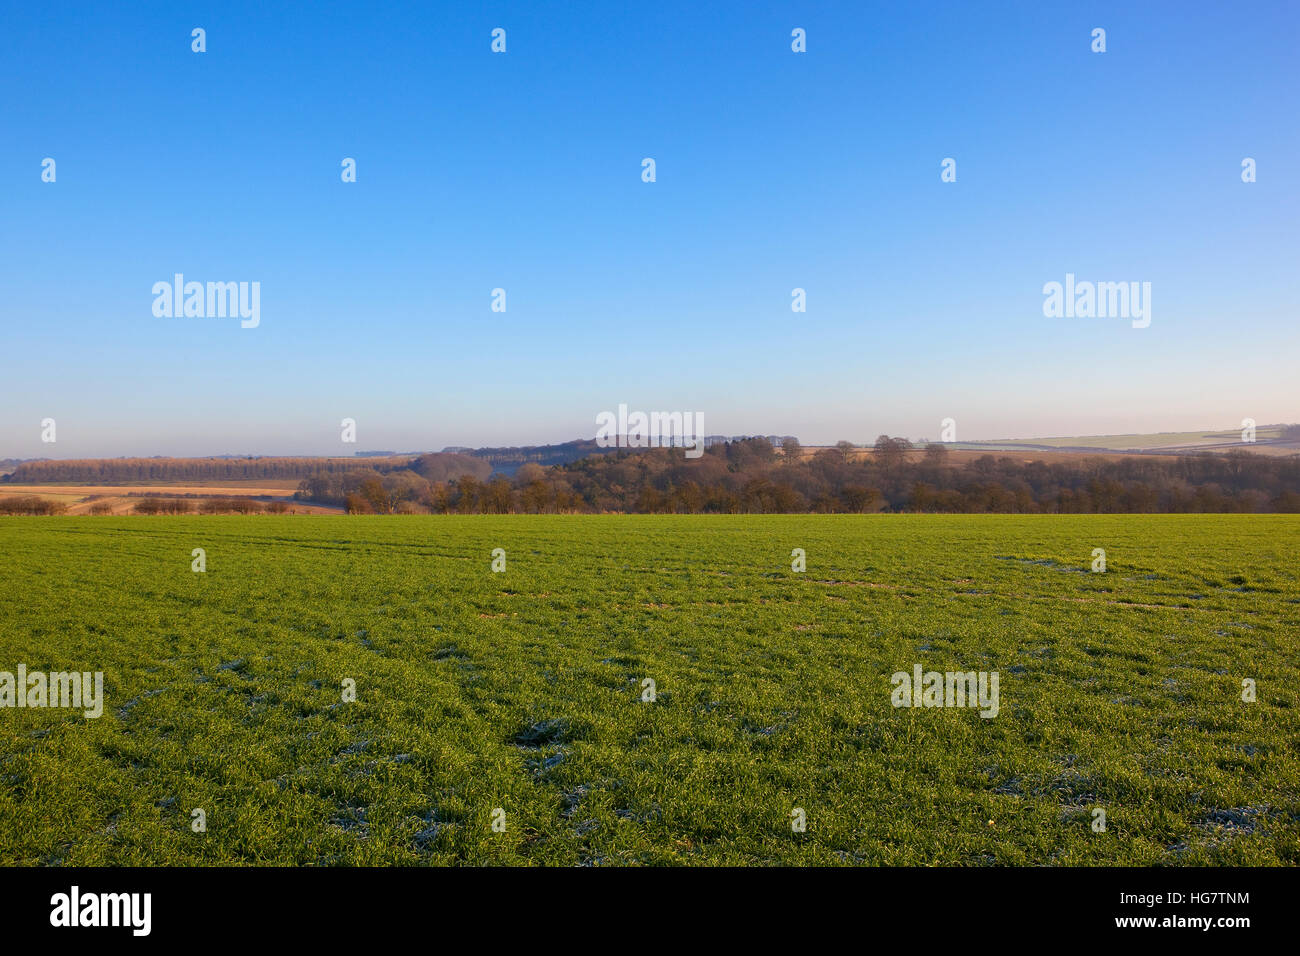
(523, 690)
(1155, 440)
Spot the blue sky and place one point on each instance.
(522, 171)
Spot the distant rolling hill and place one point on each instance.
(1269, 439)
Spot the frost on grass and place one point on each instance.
(545, 733)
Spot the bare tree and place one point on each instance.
(891, 452)
(936, 454)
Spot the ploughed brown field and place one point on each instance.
(274, 489)
(123, 498)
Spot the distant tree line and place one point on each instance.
(442, 487)
(207, 506)
(30, 505)
(508, 459)
(750, 476)
(109, 470)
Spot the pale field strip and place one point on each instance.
(123, 498)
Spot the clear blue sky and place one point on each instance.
(523, 171)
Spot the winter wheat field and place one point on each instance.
(651, 689)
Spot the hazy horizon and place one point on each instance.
(366, 450)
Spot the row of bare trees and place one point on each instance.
(750, 476)
(112, 470)
(532, 490)
(206, 506)
(30, 505)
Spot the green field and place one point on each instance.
(522, 690)
(1134, 441)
